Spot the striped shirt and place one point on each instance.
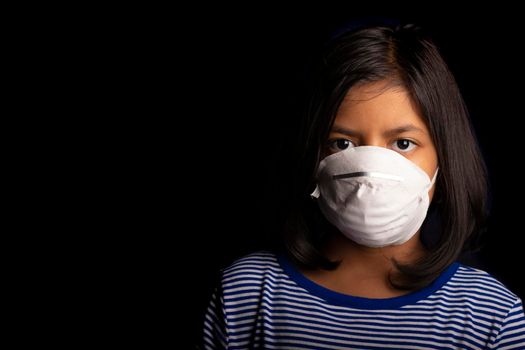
(264, 302)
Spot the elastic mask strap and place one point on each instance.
(316, 193)
(434, 178)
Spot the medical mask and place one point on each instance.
(373, 195)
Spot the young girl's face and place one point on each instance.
(377, 114)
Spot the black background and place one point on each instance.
(242, 71)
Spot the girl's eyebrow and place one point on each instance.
(388, 133)
(345, 131)
(402, 129)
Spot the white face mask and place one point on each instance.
(373, 195)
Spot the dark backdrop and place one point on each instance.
(246, 74)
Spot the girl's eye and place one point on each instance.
(340, 145)
(403, 145)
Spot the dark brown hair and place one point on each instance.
(406, 56)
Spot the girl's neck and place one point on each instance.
(364, 271)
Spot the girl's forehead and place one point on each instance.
(369, 90)
(377, 104)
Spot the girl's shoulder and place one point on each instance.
(254, 264)
(473, 281)
(252, 272)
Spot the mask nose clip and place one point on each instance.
(368, 174)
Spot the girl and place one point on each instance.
(393, 189)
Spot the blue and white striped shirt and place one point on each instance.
(264, 302)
